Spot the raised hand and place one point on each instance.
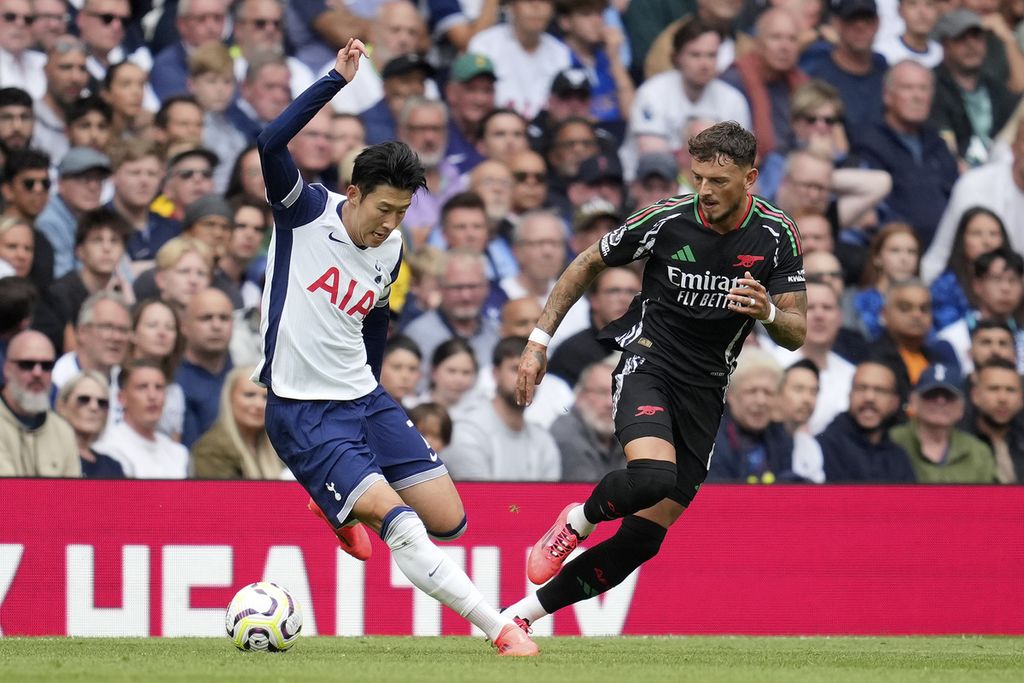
(347, 63)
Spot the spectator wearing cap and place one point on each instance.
(81, 174)
(263, 94)
(99, 248)
(569, 99)
(922, 168)
(666, 101)
(189, 177)
(66, 78)
(396, 29)
(592, 221)
(963, 87)
(657, 178)
(599, 176)
(917, 42)
(768, 75)
(525, 58)
(258, 28)
(609, 296)
(470, 95)
(17, 120)
(138, 170)
(20, 66)
(852, 66)
(198, 22)
(403, 77)
(595, 47)
(939, 452)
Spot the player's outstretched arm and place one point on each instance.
(566, 292)
(280, 173)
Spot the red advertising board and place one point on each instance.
(139, 558)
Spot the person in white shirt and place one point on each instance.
(20, 67)
(144, 453)
(665, 102)
(525, 58)
(332, 260)
(494, 441)
(915, 43)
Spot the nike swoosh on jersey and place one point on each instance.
(332, 238)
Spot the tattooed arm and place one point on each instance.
(567, 291)
(790, 324)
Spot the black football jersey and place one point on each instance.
(680, 320)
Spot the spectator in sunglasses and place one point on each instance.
(20, 67)
(102, 25)
(189, 177)
(51, 22)
(34, 440)
(259, 27)
(85, 403)
(26, 188)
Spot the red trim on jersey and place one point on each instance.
(786, 220)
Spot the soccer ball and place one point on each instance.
(263, 616)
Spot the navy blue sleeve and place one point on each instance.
(375, 335)
(309, 9)
(292, 200)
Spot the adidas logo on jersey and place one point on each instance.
(685, 254)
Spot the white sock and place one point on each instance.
(528, 608)
(435, 574)
(579, 522)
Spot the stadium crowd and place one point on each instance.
(135, 227)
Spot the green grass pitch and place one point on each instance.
(564, 660)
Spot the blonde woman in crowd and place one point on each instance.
(84, 401)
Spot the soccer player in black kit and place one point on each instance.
(718, 261)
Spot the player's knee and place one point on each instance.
(451, 534)
(651, 480)
(643, 537)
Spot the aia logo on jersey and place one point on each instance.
(330, 282)
(647, 411)
(746, 260)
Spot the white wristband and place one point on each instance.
(539, 336)
(771, 314)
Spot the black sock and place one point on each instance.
(624, 492)
(604, 566)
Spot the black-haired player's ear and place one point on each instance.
(354, 195)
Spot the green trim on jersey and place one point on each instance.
(766, 210)
(643, 214)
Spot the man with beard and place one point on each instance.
(34, 440)
(494, 441)
(585, 436)
(856, 446)
(16, 120)
(423, 125)
(66, 77)
(994, 416)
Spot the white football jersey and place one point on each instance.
(319, 288)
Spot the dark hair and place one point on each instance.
(990, 324)
(169, 363)
(983, 263)
(996, 362)
(957, 262)
(101, 218)
(11, 97)
(84, 105)
(452, 347)
(18, 296)
(111, 74)
(869, 277)
(509, 347)
(235, 187)
(690, 31)
(430, 409)
(725, 140)
(27, 159)
(400, 342)
(238, 201)
(481, 127)
(130, 367)
(164, 115)
(462, 200)
(570, 7)
(390, 163)
(804, 364)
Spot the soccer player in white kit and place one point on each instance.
(330, 267)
